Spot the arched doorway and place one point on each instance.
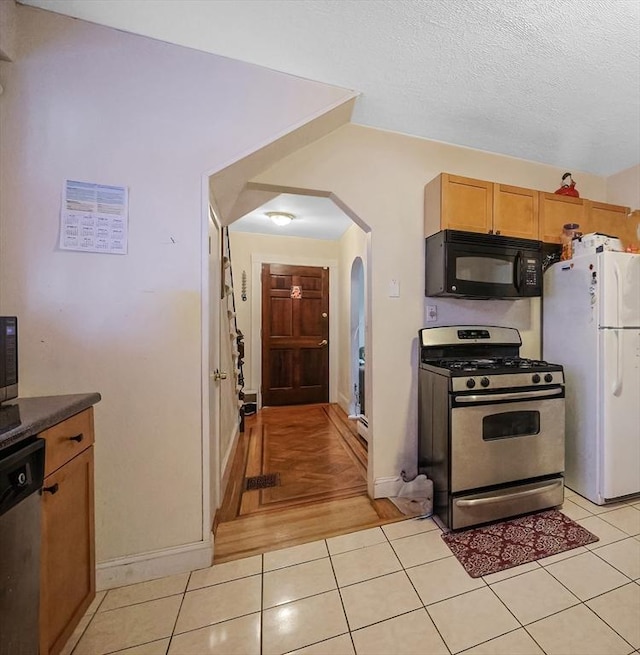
(357, 337)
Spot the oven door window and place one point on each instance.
(506, 425)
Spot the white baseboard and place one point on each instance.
(387, 487)
(227, 459)
(156, 564)
(345, 403)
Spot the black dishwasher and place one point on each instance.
(21, 476)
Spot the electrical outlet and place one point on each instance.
(432, 313)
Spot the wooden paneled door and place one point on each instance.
(295, 334)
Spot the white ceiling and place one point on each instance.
(554, 81)
(315, 218)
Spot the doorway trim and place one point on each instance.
(257, 259)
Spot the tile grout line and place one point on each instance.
(261, 645)
(584, 602)
(595, 552)
(344, 609)
(175, 623)
(610, 626)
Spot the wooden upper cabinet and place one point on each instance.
(613, 220)
(462, 203)
(452, 202)
(515, 211)
(458, 203)
(555, 211)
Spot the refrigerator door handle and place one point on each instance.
(616, 270)
(617, 384)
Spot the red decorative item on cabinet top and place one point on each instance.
(568, 187)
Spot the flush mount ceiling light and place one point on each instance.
(280, 218)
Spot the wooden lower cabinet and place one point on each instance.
(67, 583)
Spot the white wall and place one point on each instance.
(91, 103)
(380, 176)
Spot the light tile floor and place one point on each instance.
(396, 589)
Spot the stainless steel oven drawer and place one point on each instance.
(477, 508)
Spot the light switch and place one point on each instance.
(432, 313)
(394, 289)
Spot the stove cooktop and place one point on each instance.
(493, 365)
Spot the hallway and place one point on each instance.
(317, 464)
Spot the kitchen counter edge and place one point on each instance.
(39, 413)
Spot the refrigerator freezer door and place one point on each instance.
(618, 288)
(619, 414)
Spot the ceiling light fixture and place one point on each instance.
(280, 218)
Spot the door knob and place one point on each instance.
(219, 375)
(324, 342)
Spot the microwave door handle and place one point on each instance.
(517, 272)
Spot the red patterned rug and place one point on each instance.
(496, 547)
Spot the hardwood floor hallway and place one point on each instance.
(316, 467)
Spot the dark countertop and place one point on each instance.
(38, 414)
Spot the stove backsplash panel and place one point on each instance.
(522, 314)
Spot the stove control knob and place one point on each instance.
(471, 383)
(484, 382)
(548, 377)
(535, 378)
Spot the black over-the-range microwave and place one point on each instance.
(473, 265)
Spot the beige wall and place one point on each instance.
(8, 38)
(380, 176)
(623, 188)
(92, 103)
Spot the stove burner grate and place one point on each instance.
(516, 363)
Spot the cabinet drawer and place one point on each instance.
(67, 439)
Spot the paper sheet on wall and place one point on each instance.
(94, 218)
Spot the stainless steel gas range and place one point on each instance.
(490, 425)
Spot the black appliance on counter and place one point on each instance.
(8, 358)
(490, 425)
(475, 265)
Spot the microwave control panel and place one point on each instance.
(531, 272)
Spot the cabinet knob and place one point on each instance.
(53, 489)
(78, 438)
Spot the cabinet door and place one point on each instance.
(466, 204)
(515, 211)
(556, 211)
(613, 220)
(67, 559)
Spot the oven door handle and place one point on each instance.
(514, 395)
(488, 500)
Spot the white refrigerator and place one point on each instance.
(591, 325)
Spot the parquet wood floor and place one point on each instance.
(322, 492)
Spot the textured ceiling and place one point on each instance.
(553, 81)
